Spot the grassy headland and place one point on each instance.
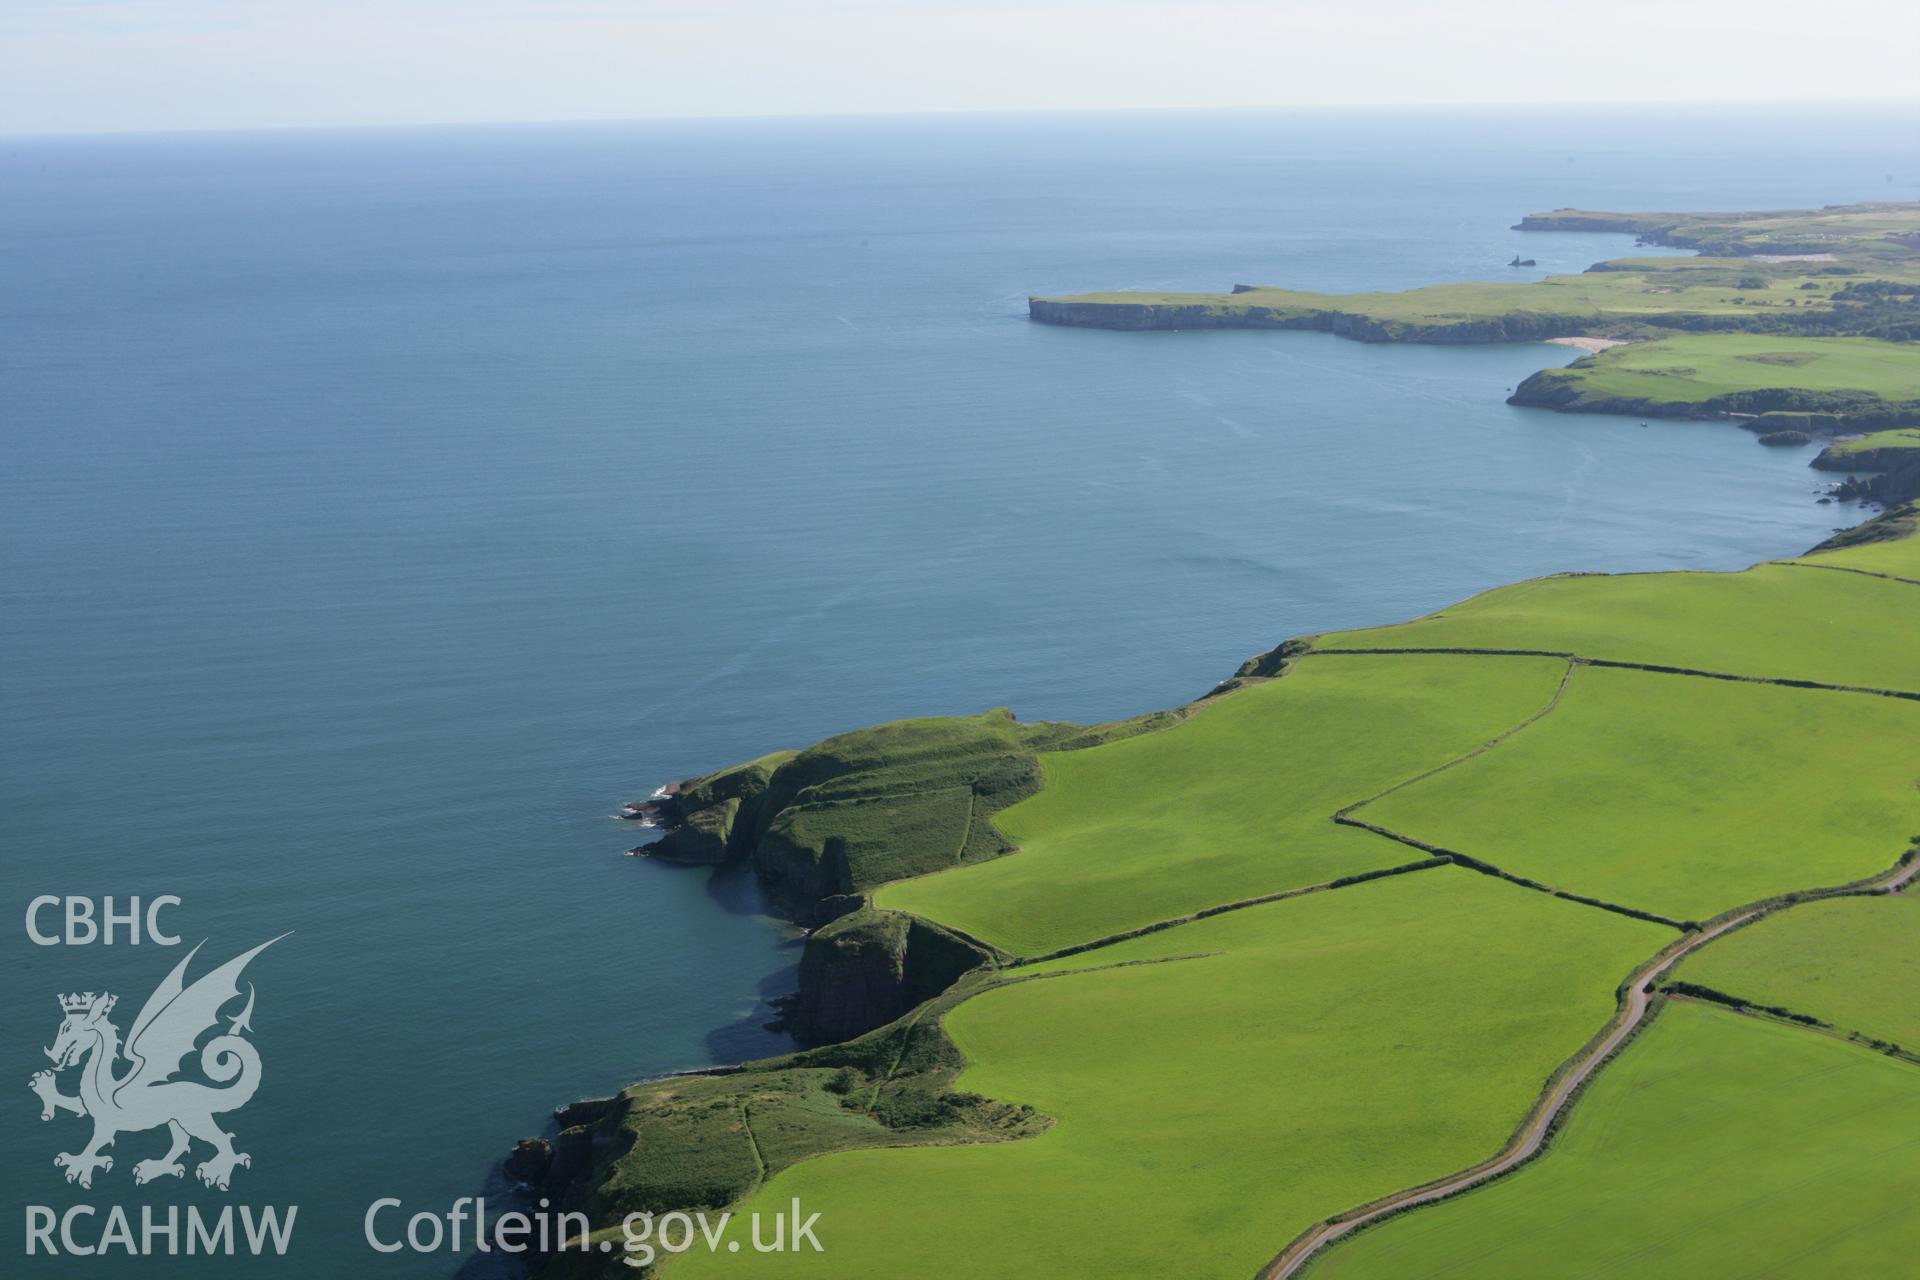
(1829, 384)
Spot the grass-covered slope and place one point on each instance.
(1853, 963)
(1717, 1148)
(1312, 1052)
(1889, 545)
(1703, 375)
(1234, 802)
(1681, 796)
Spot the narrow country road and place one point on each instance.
(1294, 1258)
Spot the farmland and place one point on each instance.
(1235, 802)
(1718, 1147)
(1850, 962)
(1773, 622)
(1627, 792)
(1306, 1053)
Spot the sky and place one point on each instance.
(116, 65)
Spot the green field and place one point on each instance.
(1773, 621)
(1851, 962)
(1316, 1053)
(1235, 802)
(1718, 1147)
(1681, 796)
(1703, 370)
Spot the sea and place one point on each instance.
(380, 509)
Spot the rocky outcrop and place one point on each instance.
(529, 1161)
(1274, 662)
(699, 839)
(1891, 488)
(866, 969)
(1900, 521)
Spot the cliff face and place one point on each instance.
(866, 969)
(821, 826)
(1899, 484)
(1647, 226)
(1866, 459)
(1149, 315)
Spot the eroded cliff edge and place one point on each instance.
(824, 826)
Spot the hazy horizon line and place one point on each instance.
(1324, 108)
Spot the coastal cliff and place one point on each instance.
(1512, 326)
(871, 966)
(1885, 467)
(823, 826)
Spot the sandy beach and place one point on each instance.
(1588, 344)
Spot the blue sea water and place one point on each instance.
(381, 508)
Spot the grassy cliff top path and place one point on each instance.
(1718, 1147)
(1313, 1054)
